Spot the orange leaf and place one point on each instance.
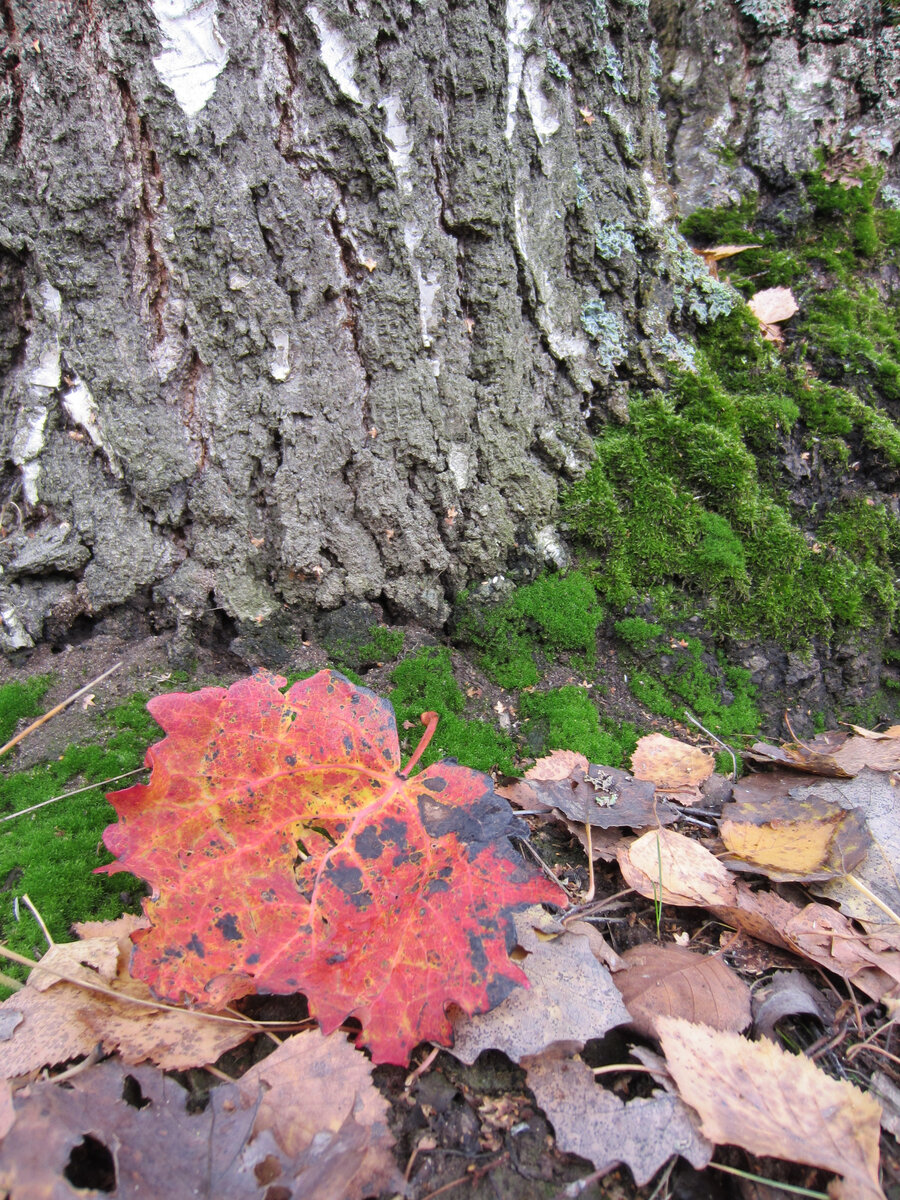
(287, 852)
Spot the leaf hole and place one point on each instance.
(278, 1193)
(132, 1094)
(91, 1166)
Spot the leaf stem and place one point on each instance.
(870, 895)
(429, 720)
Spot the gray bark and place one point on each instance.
(311, 302)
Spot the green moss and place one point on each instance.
(566, 719)
(556, 613)
(51, 853)
(719, 695)
(424, 682)
(21, 700)
(637, 632)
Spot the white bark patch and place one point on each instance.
(428, 290)
(47, 372)
(399, 143)
(51, 298)
(26, 447)
(459, 465)
(661, 208)
(544, 116)
(280, 366)
(519, 16)
(337, 54)
(194, 53)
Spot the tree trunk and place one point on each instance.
(307, 303)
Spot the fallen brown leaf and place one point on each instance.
(770, 307)
(673, 869)
(674, 768)
(231, 1149)
(872, 793)
(799, 838)
(756, 1095)
(572, 998)
(310, 1087)
(815, 756)
(671, 981)
(591, 1121)
(714, 255)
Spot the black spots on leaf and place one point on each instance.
(394, 831)
(435, 886)
(498, 989)
(252, 959)
(386, 753)
(434, 785)
(349, 880)
(334, 959)
(477, 954)
(291, 760)
(347, 743)
(368, 844)
(433, 958)
(228, 927)
(173, 952)
(268, 895)
(196, 946)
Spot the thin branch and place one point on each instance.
(58, 709)
(65, 796)
(718, 742)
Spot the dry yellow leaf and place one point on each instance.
(673, 869)
(794, 838)
(756, 1095)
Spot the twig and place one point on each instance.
(690, 716)
(58, 709)
(785, 1187)
(65, 796)
(526, 845)
(95, 1055)
(589, 895)
(40, 920)
(577, 1186)
(421, 1068)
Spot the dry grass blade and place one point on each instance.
(57, 709)
(66, 795)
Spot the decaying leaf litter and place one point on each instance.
(290, 852)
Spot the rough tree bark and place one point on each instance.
(310, 302)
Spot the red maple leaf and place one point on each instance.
(288, 853)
